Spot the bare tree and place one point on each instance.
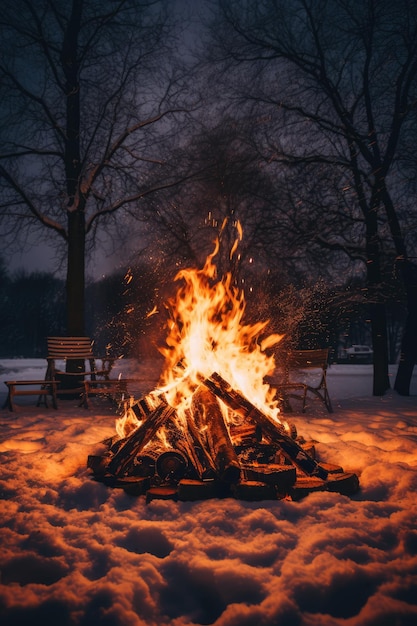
(337, 80)
(91, 102)
(231, 185)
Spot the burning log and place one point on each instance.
(253, 491)
(208, 416)
(275, 432)
(245, 434)
(282, 477)
(191, 490)
(145, 463)
(201, 460)
(171, 465)
(124, 458)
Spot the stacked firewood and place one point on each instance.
(202, 457)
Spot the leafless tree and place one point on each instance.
(336, 83)
(91, 104)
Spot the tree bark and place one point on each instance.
(380, 346)
(72, 156)
(408, 356)
(374, 282)
(75, 284)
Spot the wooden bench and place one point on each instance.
(47, 388)
(80, 362)
(306, 371)
(115, 389)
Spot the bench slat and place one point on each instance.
(73, 347)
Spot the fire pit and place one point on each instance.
(212, 427)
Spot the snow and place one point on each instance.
(75, 552)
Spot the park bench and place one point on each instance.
(305, 372)
(115, 389)
(71, 361)
(40, 388)
(84, 374)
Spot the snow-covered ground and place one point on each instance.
(75, 552)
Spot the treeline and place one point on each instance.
(126, 312)
(33, 307)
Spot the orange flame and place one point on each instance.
(206, 334)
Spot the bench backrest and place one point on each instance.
(70, 348)
(307, 359)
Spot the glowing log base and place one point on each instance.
(275, 432)
(202, 457)
(209, 419)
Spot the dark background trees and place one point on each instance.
(301, 130)
(125, 313)
(91, 99)
(32, 306)
(337, 80)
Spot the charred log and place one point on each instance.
(274, 431)
(209, 419)
(197, 452)
(124, 458)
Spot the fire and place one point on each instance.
(211, 428)
(207, 333)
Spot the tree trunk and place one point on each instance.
(377, 307)
(75, 284)
(76, 202)
(373, 275)
(408, 274)
(408, 356)
(380, 346)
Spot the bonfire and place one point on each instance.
(213, 427)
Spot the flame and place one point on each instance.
(207, 333)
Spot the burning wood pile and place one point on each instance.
(254, 459)
(212, 427)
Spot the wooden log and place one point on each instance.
(305, 485)
(197, 452)
(254, 491)
(208, 416)
(97, 464)
(161, 493)
(274, 431)
(245, 433)
(171, 465)
(133, 485)
(183, 437)
(143, 407)
(259, 453)
(145, 463)
(124, 458)
(283, 477)
(345, 483)
(191, 490)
